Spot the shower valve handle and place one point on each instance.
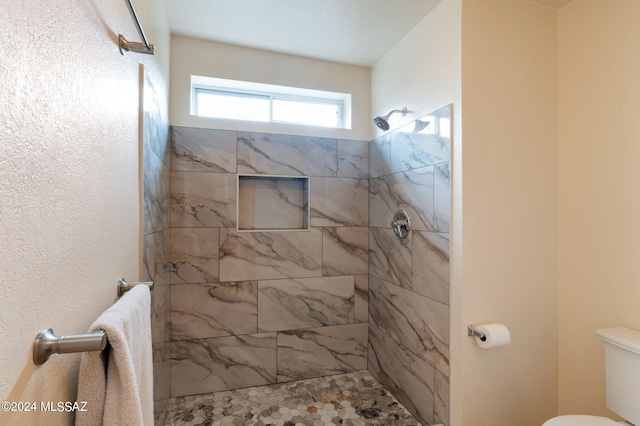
(401, 224)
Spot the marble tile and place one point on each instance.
(430, 265)
(353, 159)
(156, 257)
(380, 156)
(418, 323)
(203, 150)
(345, 250)
(200, 199)
(265, 153)
(339, 201)
(321, 351)
(442, 197)
(161, 395)
(305, 303)
(414, 145)
(222, 363)
(270, 255)
(411, 191)
(441, 399)
(161, 303)
(273, 202)
(390, 257)
(409, 378)
(194, 255)
(156, 193)
(361, 304)
(155, 122)
(201, 311)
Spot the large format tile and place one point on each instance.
(203, 150)
(380, 156)
(418, 323)
(442, 197)
(270, 255)
(321, 351)
(200, 311)
(361, 303)
(411, 191)
(430, 265)
(353, 159)
(345, 251)
(419, 144)
(222, 363)
(265, 153)
(156, 193)
(194, 255)
(390, 257)
(202, 199)
(409, 378)
(441, 399)
(305, 303)
(156, 257)
(339, 201)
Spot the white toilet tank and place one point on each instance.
(622, 360)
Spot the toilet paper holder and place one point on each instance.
(471, 331)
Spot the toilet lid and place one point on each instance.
(580, 421)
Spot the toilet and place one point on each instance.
(622, 359)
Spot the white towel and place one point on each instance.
(119, 390)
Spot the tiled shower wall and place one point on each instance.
(156, 243)
(409, 279)
(254, 308)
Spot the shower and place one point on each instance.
(383, 123)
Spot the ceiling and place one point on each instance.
(357, 32)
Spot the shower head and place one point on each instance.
(383, 123)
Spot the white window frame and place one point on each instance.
(272, 92)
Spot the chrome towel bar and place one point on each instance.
(124, 286)
(131, 46)
(47, 343)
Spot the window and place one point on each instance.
(237, 100)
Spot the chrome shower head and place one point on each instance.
(383, 123)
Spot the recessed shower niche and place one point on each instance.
(269, 202)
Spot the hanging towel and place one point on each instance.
(118, 385)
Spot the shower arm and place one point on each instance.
(393, 111)
(132, 46)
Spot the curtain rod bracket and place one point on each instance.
(130, 46)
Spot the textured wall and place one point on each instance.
(252, 308)
(69, 173)
(599, 183)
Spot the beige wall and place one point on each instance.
(599, 69)
(192, 56)
(510, 163)
(69, 221)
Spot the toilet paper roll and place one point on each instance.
(495, 335)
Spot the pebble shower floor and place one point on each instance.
(352, 399)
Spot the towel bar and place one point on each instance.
(124, 286)
(47, 343)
